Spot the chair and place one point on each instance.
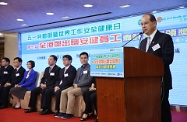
(79, 106)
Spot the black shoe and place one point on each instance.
(67, 116)
(30, 110)
(45, 111)
(56, 113)
(84, 119)
(3, 106)
(59, 115)
(96, 120)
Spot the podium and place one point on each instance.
(137, 96)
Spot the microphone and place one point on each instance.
(133, 38)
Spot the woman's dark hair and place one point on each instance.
(32, 63)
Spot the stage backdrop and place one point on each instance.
(90, 37)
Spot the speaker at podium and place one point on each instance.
(128, 85)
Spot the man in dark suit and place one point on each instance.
(46, 88)
(66, 77)
(161, 45)
(81, 84)
(6, 71)
(16, 76)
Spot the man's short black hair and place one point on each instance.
(84, 53)
(18, 58)
(68, 57)
(6, 59)
(32, 63)
(54, 57)
(152, 17)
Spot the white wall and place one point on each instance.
(11, 46)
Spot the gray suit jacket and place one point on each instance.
(83, 78)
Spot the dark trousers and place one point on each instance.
(90, 100)
(165, 106)
(58, 96)
(4, 95)
(47, 94)
(1, 90)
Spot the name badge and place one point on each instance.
(156, 47)
(5, 72)
(66, 75)
(17, 74)
(52, 74)
(27, 76)
(85, 72)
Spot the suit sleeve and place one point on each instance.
(53, 79)
(20, 77)
(59, 78)
(43, 79)
(8, 76)
(168, 50)
(69, 81)
(25, 74)
(87, 81)
(76, 77)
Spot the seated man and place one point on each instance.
(16, 76)
(66, 77)
(81, 84)
(46, 88)
(6, 71)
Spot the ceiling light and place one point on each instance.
(3, 3)
(23, 25)
(88, 5)
(181, 7)
(1, 34)
(65, 17)
(50, 13)
(20, 20)
(154, 12)
(124, 6)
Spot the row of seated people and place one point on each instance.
(65, 84)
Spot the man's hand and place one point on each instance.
(43, 86)
(17, 86)
(92, 88)
(75, 85)
(56, 88)
(7, 84)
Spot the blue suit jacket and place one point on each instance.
(29, 83)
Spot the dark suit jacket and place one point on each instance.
(50, 78)
(165, 52)
(66, 78)
(30, 82)
(16, 76)
(85, 79)
(5, 74)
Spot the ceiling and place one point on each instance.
(33, 12)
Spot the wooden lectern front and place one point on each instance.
(137, 96)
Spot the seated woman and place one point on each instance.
(26, 84)
(90, 101)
